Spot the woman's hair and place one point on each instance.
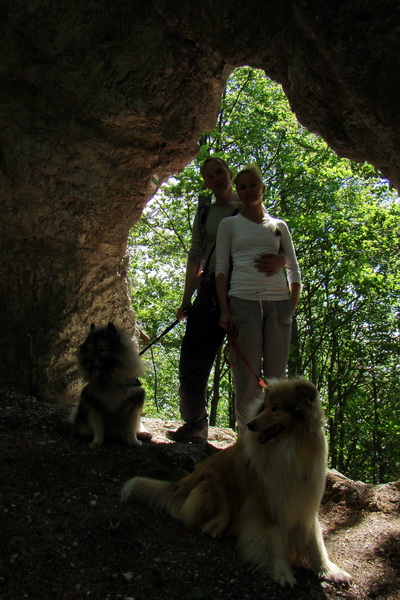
(209, 159)
(253, 169)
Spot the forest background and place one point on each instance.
(344, 220)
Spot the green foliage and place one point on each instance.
(344, 221)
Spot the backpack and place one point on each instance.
(203, 210)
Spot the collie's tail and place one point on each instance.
(158, 494)
(203, 505)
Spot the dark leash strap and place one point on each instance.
(206, 265)
(236, 351)
(171, 326)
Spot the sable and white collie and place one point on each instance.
(265, 489)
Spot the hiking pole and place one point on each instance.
(171, 326)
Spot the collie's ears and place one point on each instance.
(306, 393)
(302, 392)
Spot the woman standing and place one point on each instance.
(260, 308)
(204, 336)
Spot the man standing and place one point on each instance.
(204, 336)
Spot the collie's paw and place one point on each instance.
(146, 436)
(214, 528)
(285, 580)
(335, 574)
(143, 434)
(284, 577)
(96, 444)
(133, 441)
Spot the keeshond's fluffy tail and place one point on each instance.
(161, 495)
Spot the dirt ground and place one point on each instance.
(64, 534)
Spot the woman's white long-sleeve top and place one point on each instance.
(240, 241)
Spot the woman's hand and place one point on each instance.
(225, 320)
(295, 290)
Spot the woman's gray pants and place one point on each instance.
(263, 330)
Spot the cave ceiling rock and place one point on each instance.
(101, 101)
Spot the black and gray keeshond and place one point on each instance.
(111, 402)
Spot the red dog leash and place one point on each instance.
(239, 354)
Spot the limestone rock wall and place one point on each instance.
(101, 101)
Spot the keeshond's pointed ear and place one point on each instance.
(111, 331)
(92, 327)
(306, 393)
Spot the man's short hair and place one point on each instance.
(209, 159)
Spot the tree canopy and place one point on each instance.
(344, 219)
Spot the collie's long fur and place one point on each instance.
(265, 489)
(111, 402)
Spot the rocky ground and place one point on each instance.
(64, 535)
